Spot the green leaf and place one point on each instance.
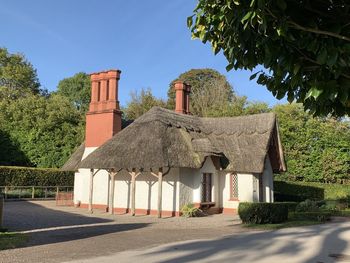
(314, 92)
(247, 16)
(322, 56)
(254, 75)
(229, 67)
(189, 21)
(281, 4)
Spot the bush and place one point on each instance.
(307, 206)
(263, 213)
(300, 191)
(25, 176)
(190, 210)
(320, 216)
(291, 206)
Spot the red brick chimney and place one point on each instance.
(182, 103)
(103, 119)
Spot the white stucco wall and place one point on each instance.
(208, 167)
(267, 178)
(146, 195)
(245, 190)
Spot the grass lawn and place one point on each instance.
(289, 223)
(11, 240)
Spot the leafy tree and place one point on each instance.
(141, 103)
(213, 96)
(202, 81)
(77, 89)
(44, 129)
(316, 149)
(303, 45)
(17, 76)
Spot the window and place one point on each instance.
(206, 187)
(234, 187)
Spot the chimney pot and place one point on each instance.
(182, 91)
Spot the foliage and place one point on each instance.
(288, 191)
(213, 96)
(10, 153)
(262, 213)
(300, 191)
(319, 216)
(286, 224)
(25, 176)
(9, 240)
(141, 103)
(44, 130)
(17, 76)
(307, 206)
(303, 45)
(77, 89)
(189, 210)
(291, 206)
(311, 150)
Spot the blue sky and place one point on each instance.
(147, 40)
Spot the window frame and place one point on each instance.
(234, 194)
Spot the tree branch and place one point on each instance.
(316, 31)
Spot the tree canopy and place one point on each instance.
(40, 131)
(17, 76)
(303, 45)
(316, 149)
(140, 103)
(77, 90)
(213, 96)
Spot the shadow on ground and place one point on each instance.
(260, 246)
(47, 226)
(24, 216)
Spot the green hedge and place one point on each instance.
(320, 216)
(300, 191)
(25, 176)
(263, 213)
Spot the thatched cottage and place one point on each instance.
(166, 159)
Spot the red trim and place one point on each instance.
(138, 211)
(95, 206)
(229, 211)
(233, 199)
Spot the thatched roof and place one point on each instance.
(163, 138)
(75, 159)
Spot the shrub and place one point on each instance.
(291, 206)
(300, 191)
(25, 176)
(262, 213)
(320, 216)
(307, 206)
(189, 210)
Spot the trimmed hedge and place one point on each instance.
(26, 176)
(300, 191)
(263, 213)
(320, 216)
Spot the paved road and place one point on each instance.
(66, 234)
(60, 234)
(313, 244)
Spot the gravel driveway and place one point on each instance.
(60, 234)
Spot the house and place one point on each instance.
(166, 159)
